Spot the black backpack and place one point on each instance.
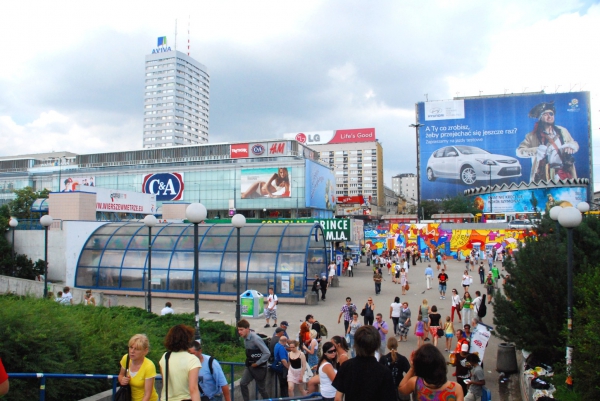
(482, 309)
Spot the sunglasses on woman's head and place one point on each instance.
(331, 351)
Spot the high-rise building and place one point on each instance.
(406, 186)
(176, 101)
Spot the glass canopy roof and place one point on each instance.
(115, 257)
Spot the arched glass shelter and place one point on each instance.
(115, 257)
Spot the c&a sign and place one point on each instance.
(166, 186)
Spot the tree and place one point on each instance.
(533, 313)
(20, 207)
(429, 208)
(459, 204)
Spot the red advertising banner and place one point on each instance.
(354, 135)
(239, 150)
(351, 199)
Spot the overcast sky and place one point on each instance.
(72, 73)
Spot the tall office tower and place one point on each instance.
(176, 102)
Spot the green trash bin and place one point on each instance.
(252, 304)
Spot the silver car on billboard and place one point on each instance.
(470, 164)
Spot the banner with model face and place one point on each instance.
(70, 183)
(475, 142)
(266, 183)
(320, 186)
(530, 200)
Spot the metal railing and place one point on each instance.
(114, 378)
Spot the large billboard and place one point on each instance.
(112, 200)
(272, 182)
(530, 200)
(320, 186)
(331, 136)
(523, 138)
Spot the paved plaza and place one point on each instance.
(359, 288)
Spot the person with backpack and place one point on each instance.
(211, 379)
(479, 306)
(489, 284)
(481, 273)
(397, 364)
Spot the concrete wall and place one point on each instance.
(64, 247)
(72, 206)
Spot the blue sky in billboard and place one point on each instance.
(527, 200)
(320, 187)
(475, 142)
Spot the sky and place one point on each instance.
(72, 73)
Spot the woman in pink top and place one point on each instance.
(427, 377)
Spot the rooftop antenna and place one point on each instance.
(556, 88)
(188, 35)
(426, 97)
(175, 34)
(525, 89)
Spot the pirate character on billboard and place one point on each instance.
(550, 147)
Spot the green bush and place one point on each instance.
(39, 335)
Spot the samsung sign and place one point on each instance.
(166, 186)
(161, 46)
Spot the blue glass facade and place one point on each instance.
(115, 257)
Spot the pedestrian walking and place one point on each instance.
(257, 355)
(369, 309)
(347, 311)
(429, 276)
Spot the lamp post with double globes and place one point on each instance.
(554, 212)
(570, 217)
(46, 221)
(13, 223)
(238, 221)
(149, 221)
(196, 213)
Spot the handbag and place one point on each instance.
(363, 311)
(307, 374)
(407, 287)
(347, 338)
(124, 392)
(440, 332)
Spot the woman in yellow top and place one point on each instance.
(141, 373)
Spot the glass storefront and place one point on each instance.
(115, 257)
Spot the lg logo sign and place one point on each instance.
(166, 186)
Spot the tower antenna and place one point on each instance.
(175, 34)
(188, 35)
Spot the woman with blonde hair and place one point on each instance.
(397, 363)
(137, 371)
(311, 349)
(296, 369)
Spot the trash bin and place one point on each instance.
(252, 304)
(506, 360)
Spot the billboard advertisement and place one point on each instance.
(333, 136)
(70, 183)
(271, 182)
(530, 200)
(112, 200)
(320, 186)
(495, 140)
(166, 186)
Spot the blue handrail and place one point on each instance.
(44, 376)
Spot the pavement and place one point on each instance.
(359, 288)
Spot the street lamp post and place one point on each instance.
(46, 221)
(554, 212)
(238, 222)
(196, 213)
(149, 221)
(416, 127)
(570, 217)
(13, 223)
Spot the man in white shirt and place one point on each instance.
(271, 309)
(167, 310)
(477, 303)
(67, 297)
